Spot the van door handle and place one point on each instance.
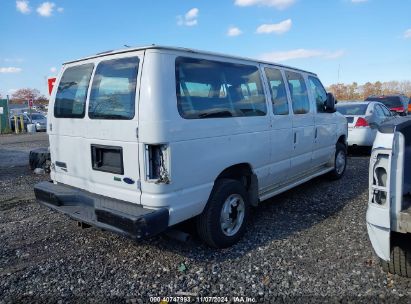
(295, 137)
(315, 135)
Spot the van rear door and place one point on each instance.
(95, 147)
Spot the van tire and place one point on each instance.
(208, 222)
(400, 262)
(336, 173)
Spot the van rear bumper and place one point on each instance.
(107, 213)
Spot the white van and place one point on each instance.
(389, 204)
(142, 139)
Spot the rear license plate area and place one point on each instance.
(107, 159)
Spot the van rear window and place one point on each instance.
(72, 92)
(113, 91)
(210, 89)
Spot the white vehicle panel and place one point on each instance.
(206, 146)
(361, 136)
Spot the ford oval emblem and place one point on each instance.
(128, 180)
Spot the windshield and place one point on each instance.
(388, 101)
(352, 109)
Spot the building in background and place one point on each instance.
(4, 115)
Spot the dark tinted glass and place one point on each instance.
(72, 92)
(37, 116)
(352, 109)
(388, 101)
(298, 91)
(209, 89)
(278, 92)
(114, 89)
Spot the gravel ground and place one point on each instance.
(14, 149)
(307, 245)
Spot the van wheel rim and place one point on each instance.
(232, 214)
(340, 162)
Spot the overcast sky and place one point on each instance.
(345, 40)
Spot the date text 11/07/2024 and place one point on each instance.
(197, 299)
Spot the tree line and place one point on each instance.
(21, 96)
(354, 91)
(341, 91)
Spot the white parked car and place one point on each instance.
(363, 118)
(142, 139)
(389, 204)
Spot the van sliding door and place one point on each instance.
(281, 130)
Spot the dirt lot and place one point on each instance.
(307, 245)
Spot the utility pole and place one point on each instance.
(8, 112)
(30, 104)
(338, 77)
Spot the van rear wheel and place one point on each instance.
(400, 261)
(223, 221)
(340, 162)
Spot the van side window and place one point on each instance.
(319, 93)
(72, 92)
(210, 89)
(298, 91)
(277, 90)
(113, 91)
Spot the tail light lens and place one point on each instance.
(397, 109)
(361, 122)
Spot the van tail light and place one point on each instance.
(361, 122)
(157, 164)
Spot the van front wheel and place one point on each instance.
(340, 162)
(223, 221)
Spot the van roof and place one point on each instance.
(153, 46)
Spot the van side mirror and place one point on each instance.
(330, 103)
